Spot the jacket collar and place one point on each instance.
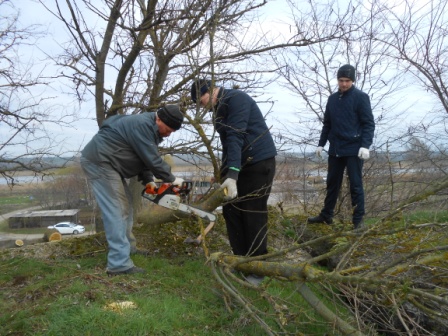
(347, 92)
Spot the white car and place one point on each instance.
(67, 228)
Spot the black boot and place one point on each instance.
(320, 220)
(359, 225)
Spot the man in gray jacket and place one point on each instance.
(124, 147)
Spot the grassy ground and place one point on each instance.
(177, 296)
(10, 203)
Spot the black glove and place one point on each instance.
(145, 177)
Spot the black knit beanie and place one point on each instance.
(199, 88)
(347, 71)
(171, 116)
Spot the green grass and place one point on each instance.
(19, 200)
(176, 296)
(423, 216)
(13, 203)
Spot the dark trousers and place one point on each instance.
(247, 216)
(335, 176)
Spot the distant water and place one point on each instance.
(27, 179)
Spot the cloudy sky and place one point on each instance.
(84, 126)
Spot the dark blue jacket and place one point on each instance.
(348, 123)
(244, 134)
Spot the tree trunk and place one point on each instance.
(52, 235)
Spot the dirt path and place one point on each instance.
(7, 239)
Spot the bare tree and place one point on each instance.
(135, 55)
(416, 35)
(416, 31)
(24, 111)
(66, 191)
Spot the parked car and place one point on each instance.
(68, 228)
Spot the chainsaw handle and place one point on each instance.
(168, 187)
(150, 189)
(159, 190)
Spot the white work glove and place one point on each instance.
(230, 185)
(363, 153)
(319, 151)
(178, 181)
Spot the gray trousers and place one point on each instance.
(114, 199)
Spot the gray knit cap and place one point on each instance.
(171, 116)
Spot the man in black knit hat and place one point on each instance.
(248, 166)
(124, 147)
(349, 127)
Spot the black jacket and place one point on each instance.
(244, 134)
(348, 123)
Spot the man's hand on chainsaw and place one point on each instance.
(178, 181)
(230, 185)
(151, 187)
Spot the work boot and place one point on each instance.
(132, 270)
(319, 220)
(360, 226)
(140, 252)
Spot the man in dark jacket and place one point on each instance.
(349, 127)
(124, 147)
(248, 165)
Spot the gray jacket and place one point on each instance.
(130, 144)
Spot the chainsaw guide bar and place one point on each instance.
(171, 196)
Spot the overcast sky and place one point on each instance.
(82, 130)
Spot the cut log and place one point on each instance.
(52, 235)
(19, 242)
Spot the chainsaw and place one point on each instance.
(171, 197)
